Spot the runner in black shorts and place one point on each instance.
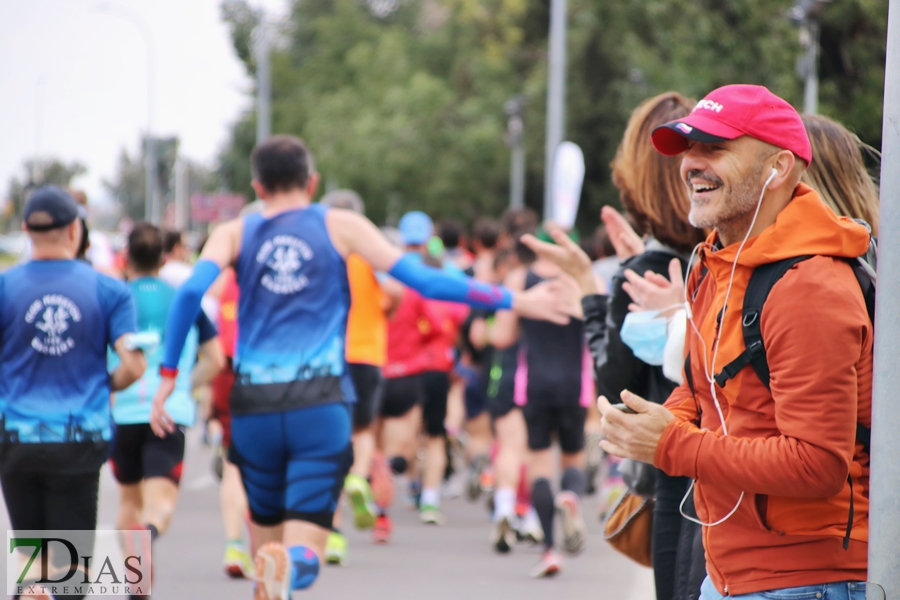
(138, 454)
(148, 467)
(549, 385)
(366, 353)
(369, 385)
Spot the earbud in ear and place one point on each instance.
(774, 172)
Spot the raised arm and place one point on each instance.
(219, 252)
(351, 232)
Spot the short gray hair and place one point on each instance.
(347, 199)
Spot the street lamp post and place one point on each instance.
(262, 49)
(151, 208)
(884, 504)
(805, 15)
(556, 97)
(515, 127)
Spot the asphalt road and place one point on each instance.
(451, 562)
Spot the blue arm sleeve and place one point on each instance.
(185, 308)
(437, 285)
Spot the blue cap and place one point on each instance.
(415, 228)
(49, 207)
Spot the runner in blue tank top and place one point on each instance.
(57, 318)
(290, 367)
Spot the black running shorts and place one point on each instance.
(369, 385)
(139, 454)
(566, 421)
(401, 394)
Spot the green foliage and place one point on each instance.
(408, 109)
(35, 174)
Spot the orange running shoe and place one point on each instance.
(381, 532)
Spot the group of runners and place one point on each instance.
(329, 354)
(335, 357)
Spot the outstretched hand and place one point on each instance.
(653, 291)
(634, 436)
(161, 423)
(569, 257)
(546, 301)
(621, 234)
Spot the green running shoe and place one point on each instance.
(361, 500)
(238, 563)
(336, 552)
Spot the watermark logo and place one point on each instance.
(93, 563)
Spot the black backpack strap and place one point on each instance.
(761, 283)
(688, 375)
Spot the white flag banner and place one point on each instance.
(568, 177)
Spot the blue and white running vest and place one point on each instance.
(292, 315)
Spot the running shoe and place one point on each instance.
(238, 564)
(550, 565)
(218, 461)
(473, 482)
(382, 481)
(273, 573)
(593, 461)
(572, 524)
(336, 552)
(612, 487)
(381, 532)
(487, 480)
(529, 528)
(413, 494)
(502, 535)
(360, 495)
(431, 515)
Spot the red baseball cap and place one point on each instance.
(731, 111)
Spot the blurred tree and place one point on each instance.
(128, 184)
(35, 174)
(406, 105)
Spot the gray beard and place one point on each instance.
(737, 209)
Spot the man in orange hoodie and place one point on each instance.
(782, 479)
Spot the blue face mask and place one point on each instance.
(645, 333)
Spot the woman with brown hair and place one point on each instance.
(838, 170)
(653, 194)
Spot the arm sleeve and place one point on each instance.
(185, 308)
(118, 304)
(819, 355)
(438, 285)
(205, 328)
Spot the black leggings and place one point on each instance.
(667, 522)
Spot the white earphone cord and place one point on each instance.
(710, 373)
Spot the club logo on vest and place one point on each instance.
(284, 255)
(51, 316)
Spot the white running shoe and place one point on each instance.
(573, 527)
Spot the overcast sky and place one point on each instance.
(73, 81)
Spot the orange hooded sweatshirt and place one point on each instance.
(789, 450)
